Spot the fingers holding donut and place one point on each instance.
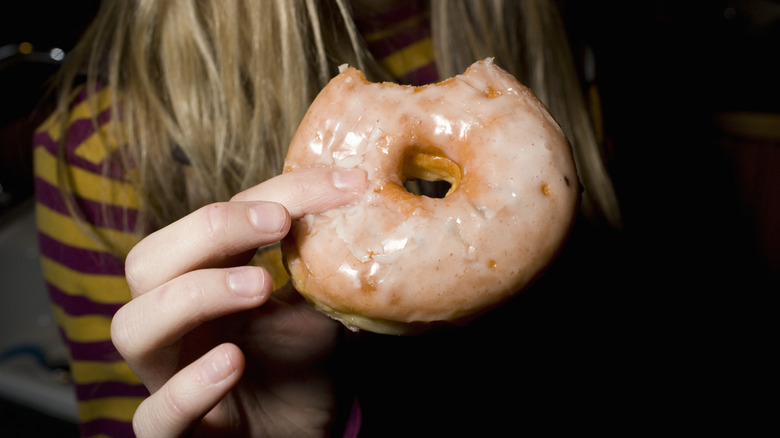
(189, 330)
(169, 272)
(218, 233)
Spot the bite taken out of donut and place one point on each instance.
(397, 262)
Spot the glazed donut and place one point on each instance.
(399, 263)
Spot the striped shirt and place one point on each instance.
(86, 282)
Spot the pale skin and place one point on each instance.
(218, 353)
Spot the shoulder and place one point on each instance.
(77, 165)
(84, 127)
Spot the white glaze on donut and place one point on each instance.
(395, 260)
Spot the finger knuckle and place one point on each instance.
(176, 402)
(301, 189)
(190, 298)
(215, 219)
(133, 271)
(159, 415)
(141, 426)
(122, 333)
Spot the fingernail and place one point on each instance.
(216, 367)
(349, 180)
(246, 282)
(268, 217)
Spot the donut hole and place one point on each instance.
(431, 189)
(431, 175)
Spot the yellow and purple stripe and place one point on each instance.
(86, 282)
(400, 39)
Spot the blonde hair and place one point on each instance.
(212, 91)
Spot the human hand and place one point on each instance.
(217, 352)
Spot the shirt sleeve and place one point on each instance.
(85, 279)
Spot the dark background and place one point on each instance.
(680, 298)
(24, 104)
(26, 79)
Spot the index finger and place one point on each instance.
(305, 191)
